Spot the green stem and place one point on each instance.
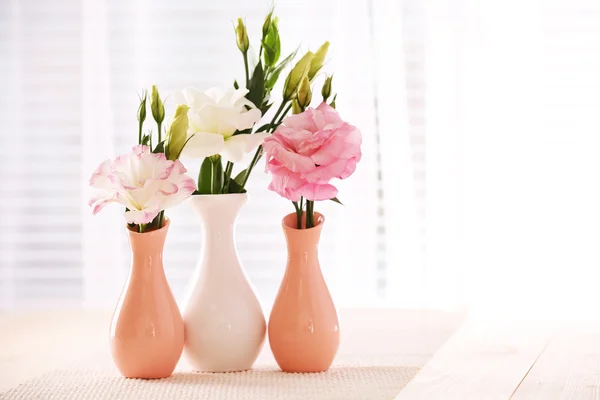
(246, 68)
(140, 133)
(228, 170)
(259, 151)
(310, 216)
(299, 212)
(159, 132)
(283, 115)
(277, 114)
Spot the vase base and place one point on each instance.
(148, 377)
(304, 371)
(219, 371)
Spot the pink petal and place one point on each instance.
(316, 192)
(169, 188)
(141, 216)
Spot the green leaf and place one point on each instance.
(335, 199)
(160, 148)
(236, 86)
(235, 187)
(146, 140)
(243, 132)
(257, 86)
(240, 177)
(264, 128)
(265, 108)
(217, 175)
(274, 76)
(205, 176)
(332, 104)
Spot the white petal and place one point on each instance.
(216, 94)
(247, 119)
(240, 95)
(204, 144)
(236, 147)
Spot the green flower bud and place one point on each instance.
(318, 60)
(300, 70)
(141, 114)
(296, 109)
(241, 36)
(326, 89)
(304, 93)
(157, 107)
(267, 24)
(178, 132)
(332, 104)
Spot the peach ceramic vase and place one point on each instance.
(224, 324)
(146, 334)
(303, 328)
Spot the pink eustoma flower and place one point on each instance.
(310, 149)
(144, 182)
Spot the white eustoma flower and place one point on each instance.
(214, 117)
(143, 182)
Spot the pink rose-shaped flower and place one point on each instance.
(310, 149)
(144, 182)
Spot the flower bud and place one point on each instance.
(326, 89)
(156, 105)
(318, 61)
(267, 24)
(241, 36)
(141, 114)
(178, 132)
(294, 78)
(296, 109)
(304, 93)
(332, 104)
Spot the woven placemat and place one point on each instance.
(359, 377)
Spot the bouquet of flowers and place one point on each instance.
(225, 124)
(146, 181)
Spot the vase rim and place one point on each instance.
(220, 195)
(319, 221)
(166, 223)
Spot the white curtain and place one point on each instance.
(477, 187)
(74, 71)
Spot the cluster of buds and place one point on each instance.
(297, 85)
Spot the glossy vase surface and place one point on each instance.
(224, 324)
(146, 334)
(303, 327)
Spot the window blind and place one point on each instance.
(72, 74)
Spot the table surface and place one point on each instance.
(461, 358)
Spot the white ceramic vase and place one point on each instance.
(224, 323)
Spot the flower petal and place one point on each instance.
(141, 216)
(204, 144)
(318, 192)
(236, 147)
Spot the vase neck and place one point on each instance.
(218, 211)
(218, 214)
(302, 245)
(147, 250)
